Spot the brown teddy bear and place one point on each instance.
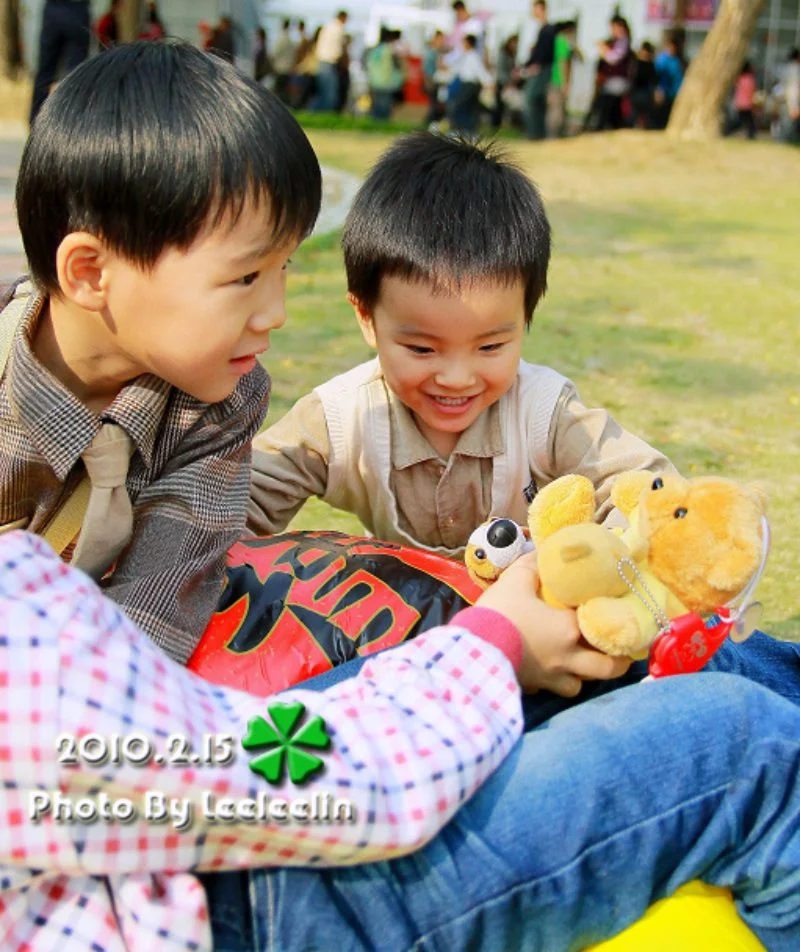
(690, 545)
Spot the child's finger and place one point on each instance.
(565, 685)
(591, 665)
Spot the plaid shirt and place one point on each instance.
(413, 736)
(188, 481)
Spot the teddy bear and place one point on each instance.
(690, 545)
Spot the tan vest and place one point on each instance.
(357, 414)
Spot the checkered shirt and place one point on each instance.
(413, 736)
(188, 481)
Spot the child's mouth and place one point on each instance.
(451, 405)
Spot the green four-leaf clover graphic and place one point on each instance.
(286, 741)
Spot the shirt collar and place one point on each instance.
(483, 440)
(58, 424)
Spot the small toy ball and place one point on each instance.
(492, 547)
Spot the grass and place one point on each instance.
(674, 301)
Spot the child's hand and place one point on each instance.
(554, 655)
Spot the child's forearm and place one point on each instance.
(413, 736)
(290, 464)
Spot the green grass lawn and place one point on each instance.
(674, 301)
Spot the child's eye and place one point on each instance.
(248, 279)
(491, 348)
(416, 349)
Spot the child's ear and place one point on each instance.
(80, 262)
(365, 320)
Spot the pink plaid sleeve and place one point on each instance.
(413, 736)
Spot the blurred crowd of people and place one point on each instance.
(526, 82)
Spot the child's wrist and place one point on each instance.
(492, 626)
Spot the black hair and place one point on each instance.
(459, 5)
(150, 143)
(450, 212)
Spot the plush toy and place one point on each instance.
(690, 546)
(492, 547)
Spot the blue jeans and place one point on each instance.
(327, 87)
(597, 813)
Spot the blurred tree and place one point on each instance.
(11, 39)
(697, 113)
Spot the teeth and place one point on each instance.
(452, 401)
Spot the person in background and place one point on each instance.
(504, 77)
(107, 27)
(616, 83)
(262, 67)
(463, 107)
(669, 76)
(304, 81)
(792, 95)
(221, 42)
(153, 27)
(384, 73)
(330, 45)
(643, 87)
(65, 35)
(537, 71)
(284, 54)
(344, 74)
(744, 94)
(466, 25)
(430, 85)
(563, 51)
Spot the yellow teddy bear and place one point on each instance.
(690, 545)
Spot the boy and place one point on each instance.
(446, 249)
(158, 215)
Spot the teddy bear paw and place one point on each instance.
(609, 625)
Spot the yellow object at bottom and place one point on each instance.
(697, 918)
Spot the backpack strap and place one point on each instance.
(64, 525)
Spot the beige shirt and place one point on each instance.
(330, 42)
(439, 501)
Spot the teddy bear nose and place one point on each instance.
(502, 534)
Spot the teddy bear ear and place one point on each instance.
(628, 487)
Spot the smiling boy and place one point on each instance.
(158, 216)
(446, 250)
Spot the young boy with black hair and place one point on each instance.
(159, 197)
(446, 249)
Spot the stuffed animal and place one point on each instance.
(690, 545)
(492, 547)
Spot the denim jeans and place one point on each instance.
(327, 87)
(535, 113)
(598, 812)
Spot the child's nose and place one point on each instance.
(271, 315)
(455, 375)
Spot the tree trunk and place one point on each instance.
(10, 38)
(129, 19)
(697, 112)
